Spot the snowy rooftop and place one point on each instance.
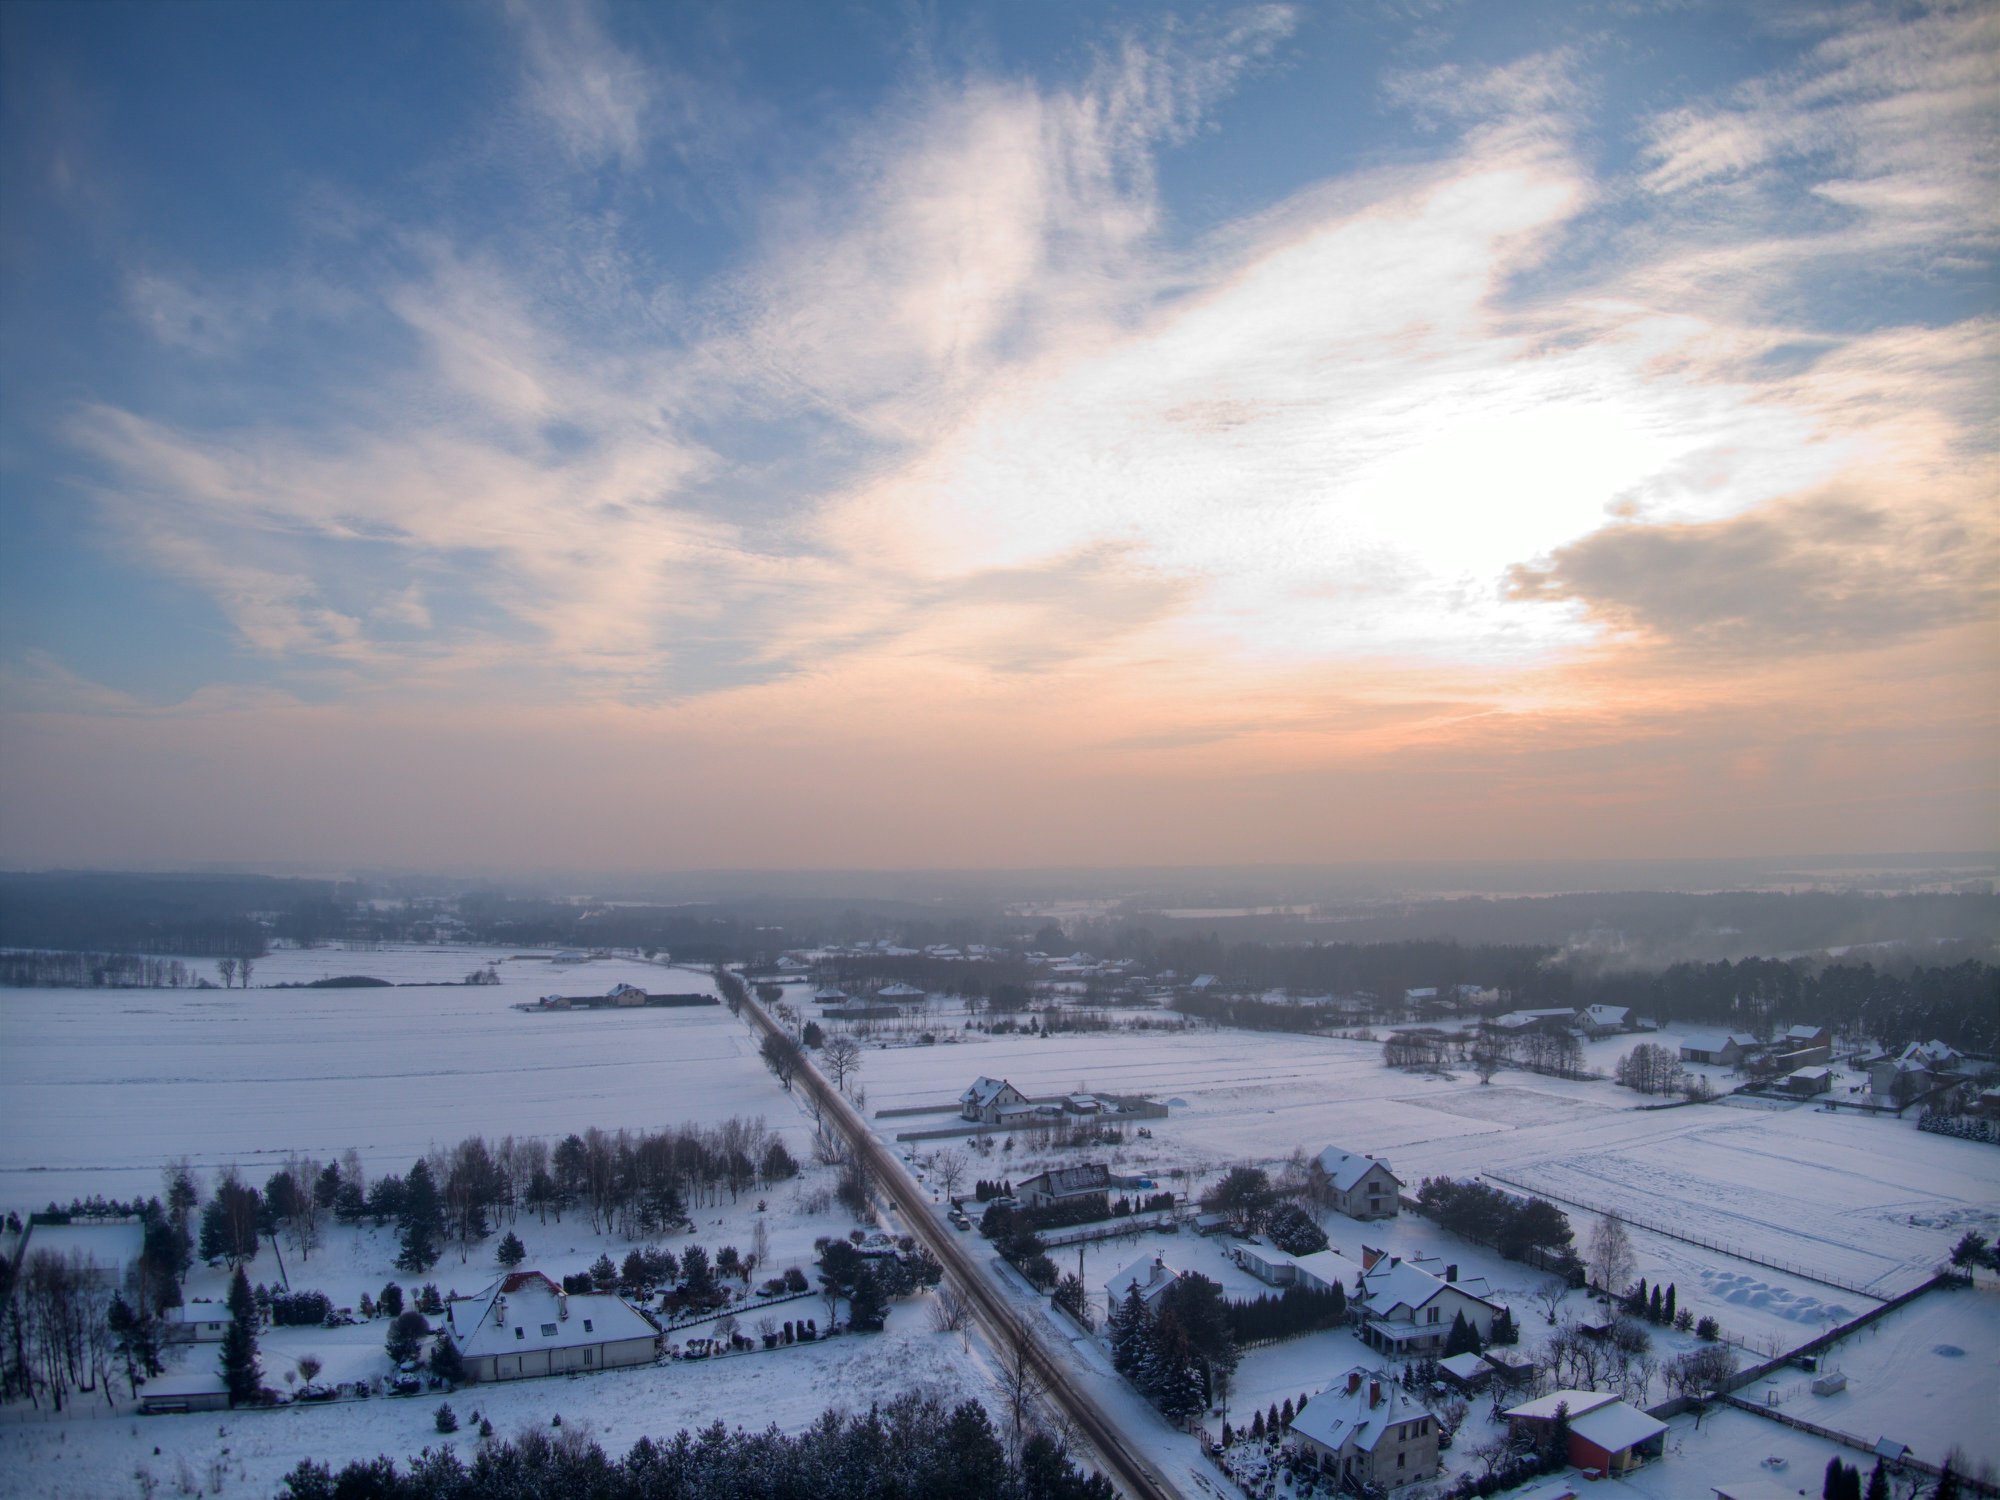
(1346, 1168)
(1151, 1275)
(525, 1309)
(1614, 1427)
(110, 1247)
(1543, 1408)
(1338, 1416)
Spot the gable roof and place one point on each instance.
(985, 1090)
(1543, 1408)
(1340, 1418)
(1151, 1274)
(1392, 1283)
(1057, 1181)
(1715, 1041)
(1345, 1169)
(511, 1314)
(1614, 1427)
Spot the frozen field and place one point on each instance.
(1871, 1203)
(98, 1087)
(1925, 1375)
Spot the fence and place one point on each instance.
(1106, 1230)
(1655, 1227)
(1968, 1484)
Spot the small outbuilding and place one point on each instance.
(183, 1391)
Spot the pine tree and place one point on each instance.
(1832, 1487)
(1257, 1428)
(1285, 1413)
(1463, 1338)
(422, 1222)
(866, 1307)
(1671, 1314)
(1504, 1331)
(1653, 1308)
(511, 1252)
(1128, 1333)
(1878, 1483)
(1635, 1304)
(240, 1371)
(1947, 1485)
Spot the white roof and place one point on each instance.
(1151, 1275)
(1815, 1074)
(1337, 1417)
(526, 1310)
(1616, 1426)
(1715, 1041)
(1466, 1366)
(1329, 1267)
(1803, 1033)
(1405, 1284)
(199, 1312)
(984, 1090)
(1344, 1169)
(185, 1383)
(1543, 1408)
(1609, 1015)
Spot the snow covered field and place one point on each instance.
(98, 1087)
(1869, 1202)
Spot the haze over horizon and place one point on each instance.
(594, 436)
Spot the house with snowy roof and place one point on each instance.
(106, 1250)
(525, 1325)
(1364, 1430)
(1151, 1275)
(987, 1098)
(1606, 1020)
(1605, 1434)
(1406, 1308)
(902, 994)
(1721, 1048)
(1362, 1187)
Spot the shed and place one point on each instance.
(1466, 1372)
(184, 1391)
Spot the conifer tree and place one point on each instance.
(1654, 1307)
(240, 1371)
(422, 1222)
(1878, 1483)
(1669, 1311)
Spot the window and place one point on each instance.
(548, 1330)
(520, 1332)
(1434, 1314)
(1401, 1459)
(586, 1325)
(589, 1358)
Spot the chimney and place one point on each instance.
(1451, 1273)
(1374, 1394)
(499, 1312)
(1353, 1381)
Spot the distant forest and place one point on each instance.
(1932, 975)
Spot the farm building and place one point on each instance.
(1721, 1048)
(1809, 1081)
(1362, 1187)
(525, 1325)
(1363, 1428)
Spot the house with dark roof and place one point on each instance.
(1064, 1185)
(525, 1325)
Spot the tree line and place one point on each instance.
(911, 1448)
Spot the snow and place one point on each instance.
(98, 1087)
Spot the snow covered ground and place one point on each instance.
(98, 1087)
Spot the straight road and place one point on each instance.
(1125, 1466)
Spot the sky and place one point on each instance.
(487, 433)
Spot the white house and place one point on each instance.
(1323, 1270)
(1152, 1276)
(1362, 1187)
(197, 1323)
(1365, 1429)
(525, 1325)
(987, 1098)
(1406, 1307)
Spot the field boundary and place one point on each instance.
(1655, 1227)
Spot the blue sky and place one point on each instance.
(948, 435)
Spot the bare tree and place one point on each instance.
(841, 1058)
(1020, 1383)
(951, 1312)
(949, 1169)
(307, 1214)
(1610, 1256)
(226, 967)
(243, 969)
(1549, 1295)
